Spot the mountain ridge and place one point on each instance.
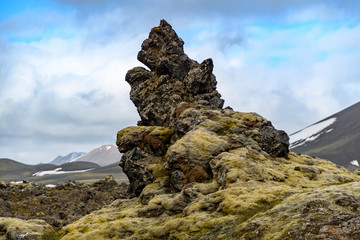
(337, 142)
(67, 158)
(103, 155)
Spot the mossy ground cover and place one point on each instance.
(245, 209)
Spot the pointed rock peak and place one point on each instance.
(174, 78)
(163, 43)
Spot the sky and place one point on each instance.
(63, 64)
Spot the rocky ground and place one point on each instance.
(200, 171)
(53, 207)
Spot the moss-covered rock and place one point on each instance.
(151, 139)
(144, 147)
(188, 158)
(263, 198)
(15, 229)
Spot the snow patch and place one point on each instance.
(50, 185)
(17, 182)
(108, 147)
(58, 171)
(355, 162)
(310, 133)
(76, 159)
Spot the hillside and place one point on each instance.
(11, 170)
(334, 138)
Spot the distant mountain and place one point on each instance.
(71, 156)
(103, 155)
(11, 170)
(336, 138)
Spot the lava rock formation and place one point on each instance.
(178, 103)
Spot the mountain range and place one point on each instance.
(102, 156)
(75, 166)
(335, 138)
(64, 159)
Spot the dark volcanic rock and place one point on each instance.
(174, 78)
(273, 141)
(134, 163)
(183, 126)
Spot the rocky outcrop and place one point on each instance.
(183, 126)
(174, 78)
(198, 171)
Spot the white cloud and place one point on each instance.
(57, 90)
(303, 71)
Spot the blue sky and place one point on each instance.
(63, 64)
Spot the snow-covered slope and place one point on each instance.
(336, 138)
(103, 155)
(311, 133)
(70, 157)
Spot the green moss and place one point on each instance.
(52, 236)
(224, 128)
(162, 133)
(319, 217)
(334, 184)
(262, 205)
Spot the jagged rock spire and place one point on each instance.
(174, 78)
(184, 129)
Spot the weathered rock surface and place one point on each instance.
(199, 171)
